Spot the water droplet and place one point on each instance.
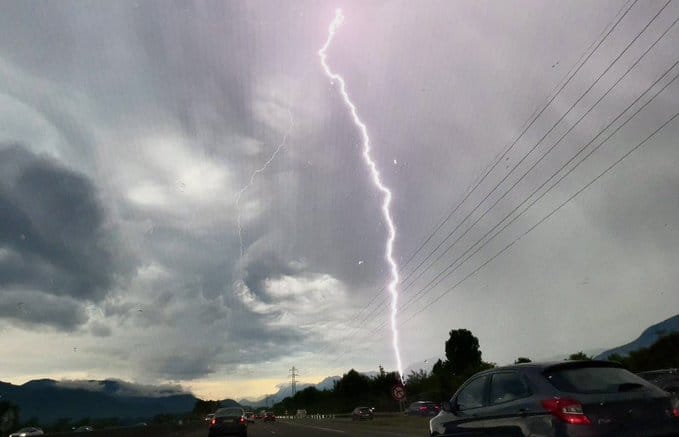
(23, 237)
(181, 185)
(360, 262)
(395, 162)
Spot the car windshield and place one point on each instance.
(594, 380)
(306, 206)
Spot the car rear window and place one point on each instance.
(229, 412)
(593, 379)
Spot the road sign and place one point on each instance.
(398, 392)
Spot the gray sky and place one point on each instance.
(128, 128)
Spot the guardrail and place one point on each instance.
(166, 430)
(338, 416)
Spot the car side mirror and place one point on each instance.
(447, 406)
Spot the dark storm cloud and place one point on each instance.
(31, 309)
(267, 265)
(53, 229)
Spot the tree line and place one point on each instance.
(463, 358)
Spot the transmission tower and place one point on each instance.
(294, 373)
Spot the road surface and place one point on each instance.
(321, 428)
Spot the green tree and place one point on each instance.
(463, 352)
(662, 354)
(579, 356)
(618, 359)
(522, 360)
(352, 389)
(202, 408)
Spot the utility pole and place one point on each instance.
(294, 372)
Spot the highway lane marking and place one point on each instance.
(316, 427)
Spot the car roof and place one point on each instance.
(554, 365)
(229, 410)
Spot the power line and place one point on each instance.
(601, 75)
(555, 210)
(563, 176)
(564, 82)
(534, 147)
(523, 132)
(506, 151)
(554, 145)
(662, 126)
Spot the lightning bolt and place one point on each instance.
(252, 180)
(386, 193)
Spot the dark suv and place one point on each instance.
(569, 398)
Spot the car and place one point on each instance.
(362, 413)
(666, 379)
(229, 421)
(250, 416)
(83, 429)
(27, 432)
(209, 417)
(422, 408)
(269, 417)
(560, 399)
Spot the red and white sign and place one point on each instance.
(398, 392)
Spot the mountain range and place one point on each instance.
(646, 339)
(50, 400)
(285, 391)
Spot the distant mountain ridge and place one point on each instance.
(50, 400)
(285, 391)
(646, 339)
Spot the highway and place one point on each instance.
(323, 428)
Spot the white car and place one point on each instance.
(27, 432)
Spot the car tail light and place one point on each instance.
(568, 410)
(213, 422)
(242, 420)
(675, 412)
